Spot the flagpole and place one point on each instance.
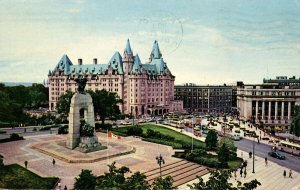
(107, 147)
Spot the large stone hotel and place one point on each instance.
(144, 88)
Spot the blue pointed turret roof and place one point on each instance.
(116, 62)
(64, 64)
(128, 48)
(155, 53)
(136, 64)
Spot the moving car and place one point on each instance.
(276, 155)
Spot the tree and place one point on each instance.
(63, 104)
(295, 125)
(211, 139)
(115, 179)
(223, 155)
(219, 180)
(162, 183)
(105, 103)
(85, 180)
(229, 143)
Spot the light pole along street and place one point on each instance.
(254, 136)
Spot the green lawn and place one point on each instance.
(17, 177)
(163, 130)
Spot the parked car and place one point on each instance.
(276, 155)
(125, 123)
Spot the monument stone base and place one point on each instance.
(89, 144)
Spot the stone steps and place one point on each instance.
(181, 172)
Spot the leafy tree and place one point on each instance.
(137, 181)
(105, 103)
(223, 155)
(162, 183)
(219, 180)
(229, 143)
(63, 104)
(211, 139)
(85, 180)
(295, 126)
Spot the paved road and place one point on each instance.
(29, 132)
(262, 150)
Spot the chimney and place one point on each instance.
(95, 61)
(79, 61)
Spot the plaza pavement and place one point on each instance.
(270, 177)
(142, 160)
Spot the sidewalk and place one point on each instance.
(270, 177)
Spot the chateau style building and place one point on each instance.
(271, 103)
(144, 88)
(205, 99)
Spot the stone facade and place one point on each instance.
(271, 103)
(81, 107)
(146, 89)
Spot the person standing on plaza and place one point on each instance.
(290, 174)
(250, 154)
(26, 163)
(245, 173)
(284, 173)
(234, 173)
(53, 162)
(266, 161)
(241, 172)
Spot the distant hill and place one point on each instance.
(17, 83)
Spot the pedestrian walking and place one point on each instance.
(53, 162)
(284, 173)
(266, 161)
(234, 174)
(245, 173)
(26, 163)
(241, 172)
(290, 174)
(250, 154)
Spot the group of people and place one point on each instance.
(290, 174)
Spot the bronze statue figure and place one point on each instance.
(81, 82)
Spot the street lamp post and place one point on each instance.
(160, 161)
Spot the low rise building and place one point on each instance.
(204, 99)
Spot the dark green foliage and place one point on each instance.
(105, 104)
(115, 179)
(201, 157)
(163, 183)
(157, 135)
(15, 137)
(16, 177)
(105, 126)
(85, 180)
(211, 139)
(15, 98)
(135, 130)
(218, 180)
(295, 126)
(46, 128)
(223, 156)
(86, 130)
(63, 104)
(63, 129)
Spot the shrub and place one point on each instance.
(105, 126)
(15, 136)
(63, 129)
(135, 130)
(34, 129)
(46, 128)
(86, 130)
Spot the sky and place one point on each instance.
(202, 41)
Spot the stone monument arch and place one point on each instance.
(81, 108)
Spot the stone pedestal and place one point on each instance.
(89, 144)
(84, 102)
